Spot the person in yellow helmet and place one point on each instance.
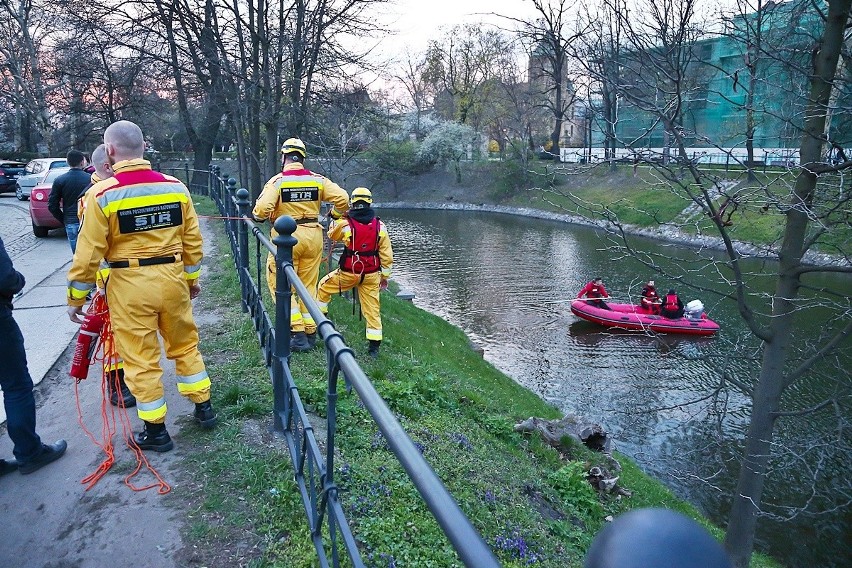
(299, 193)
(366, 262)
(144, 224)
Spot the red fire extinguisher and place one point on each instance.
(87, 341)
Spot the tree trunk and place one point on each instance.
(739, 538)
(554, 139)
(750, 128)
(752, 53)
(272, 161)
(202, 156)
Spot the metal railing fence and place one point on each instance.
(314, 472)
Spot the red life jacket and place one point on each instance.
(671, 303)
(362, 254)
(649, 298)
(595, 291)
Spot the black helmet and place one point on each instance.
(644, 538)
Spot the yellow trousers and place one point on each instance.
(142, 301)
(339, 281)
(307, 257)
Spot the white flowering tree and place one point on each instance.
(447, 144)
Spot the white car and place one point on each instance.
(34, 173)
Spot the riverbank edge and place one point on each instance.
(664, 232)
(229, 330)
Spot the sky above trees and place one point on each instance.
(417, 22)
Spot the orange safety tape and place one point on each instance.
(106, 351)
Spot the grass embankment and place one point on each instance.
(531, 505)
(644, 197)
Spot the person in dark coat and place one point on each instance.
(66, 190)
(18, 400)
(672, 307)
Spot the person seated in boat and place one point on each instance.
(595, 290)
(672, 307)
(650, 301)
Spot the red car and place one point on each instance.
(43, 220)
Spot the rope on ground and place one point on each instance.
(107, 356)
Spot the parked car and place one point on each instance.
(9, 172)
(43, 220)
(34, 173)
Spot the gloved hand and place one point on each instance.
(383, 284)
(194, 290)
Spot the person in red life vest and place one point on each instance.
(595, 291)
(366, 263)
(672, 307)
(650, 301)
(299, 193)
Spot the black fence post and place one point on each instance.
(214, 183)
(226, 196)
(231, 213)
(242, 229)
(186, 173)
(284, 242)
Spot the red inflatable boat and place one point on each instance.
(629, 316)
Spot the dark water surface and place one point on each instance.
(507, 281)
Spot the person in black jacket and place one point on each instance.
(65, 192)
(30, 453)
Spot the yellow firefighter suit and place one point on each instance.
(144, 224)
(362, 272)
(299, 193)
(116, 363)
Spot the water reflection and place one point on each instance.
(507, 282)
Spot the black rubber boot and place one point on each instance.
(299, 342)
(127, 398)
(154, 437)
(373, 350)
(312, 339)
(204, 414)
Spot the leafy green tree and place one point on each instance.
(447, 144)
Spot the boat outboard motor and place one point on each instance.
(694, 310)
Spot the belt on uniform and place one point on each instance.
(308, 220)
(143, 261)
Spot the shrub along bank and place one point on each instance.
(531, 505)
